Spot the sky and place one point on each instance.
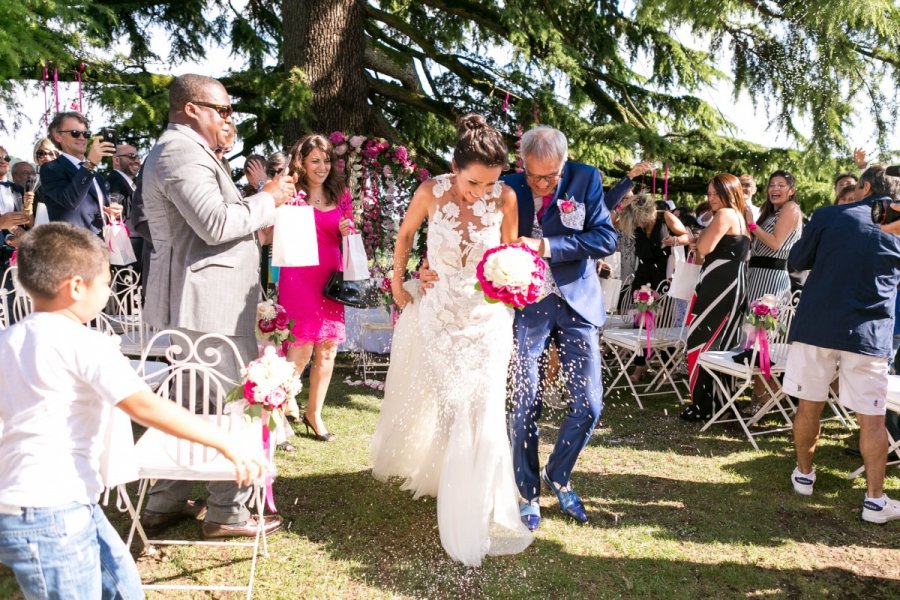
(749, 123)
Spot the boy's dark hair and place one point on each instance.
(50, 254)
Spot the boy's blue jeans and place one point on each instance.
(69, 551)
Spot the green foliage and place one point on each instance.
(623, 84)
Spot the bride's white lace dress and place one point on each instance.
(443, 420)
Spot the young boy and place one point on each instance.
(59, 381)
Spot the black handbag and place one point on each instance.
(358, 294)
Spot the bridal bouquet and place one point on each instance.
(273, 324)
(512, 274)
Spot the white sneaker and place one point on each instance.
(803, 483)
(881, 514)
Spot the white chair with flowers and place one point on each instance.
(16, 303)
(193, 381)
(659, 338)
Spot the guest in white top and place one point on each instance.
(59, 384)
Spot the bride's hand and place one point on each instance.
(401, 298)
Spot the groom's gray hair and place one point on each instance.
(544, 142)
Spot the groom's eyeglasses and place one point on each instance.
(544, 179)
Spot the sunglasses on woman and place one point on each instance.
(44, 153)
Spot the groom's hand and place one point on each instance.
(536, 244)
(427, 277)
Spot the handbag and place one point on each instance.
(684, 279)
(358, 294)
(118, 241)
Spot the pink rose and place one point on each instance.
(401, 153)
(281, 320)
(567, 206)
(760, 310)
(337, 137)
(340, 165)
(277, 398)
(356, 141)
(266, 326)
(340, 149)
(249, 386)
(423, 174)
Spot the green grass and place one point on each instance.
(674, 514)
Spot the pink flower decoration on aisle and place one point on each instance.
(337, 137)
(645, 298)
(402, 155)
(512, 274)
(249, 387)
(340, 165)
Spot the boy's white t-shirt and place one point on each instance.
(58, 383)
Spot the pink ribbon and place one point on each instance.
(653, 189)
(505, 106)
(46, 103)
(666, 183)
(12, 259)
(649, 320)
(759, 334)
(78, 73)
(116, 224)
(56, 85)
(267, 448)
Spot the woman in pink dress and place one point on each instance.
(318, 321)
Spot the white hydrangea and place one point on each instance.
(265, 311)
(510, 267)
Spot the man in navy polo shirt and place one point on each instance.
(845, 322)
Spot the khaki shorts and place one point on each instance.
(862, 379)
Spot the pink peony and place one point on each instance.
(249, 386)
(402, 154)
(340, 165)
(423, 174)
(337, 137)
(266, 326)
(340, 149)
(356, 141)
(281, 320)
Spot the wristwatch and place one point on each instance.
(89, 165)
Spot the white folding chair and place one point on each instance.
(17, 304)
(892, 403)
(667, 343)
(125, 314)
(623, 315)
(193, 381)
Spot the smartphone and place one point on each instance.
(109, 135)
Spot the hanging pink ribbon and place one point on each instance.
(534, 112)
(56, 86)
(666, 183)
(12, 259)
(760, 336)
(78, 72)
(649, 320)
(114, 227)
(653, 189)
(46, 103)
(505, 106)
(267, 448)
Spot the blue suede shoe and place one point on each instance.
(530, 512)
(569, 502)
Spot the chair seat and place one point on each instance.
(153, 371)
(722, 361)
(131, 345)
(635, 339)
(162, 456)
(893, 393)
(618, 322)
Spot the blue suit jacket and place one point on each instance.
(848, 299)
(573, 251)
(70, 195)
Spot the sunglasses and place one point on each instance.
(274, 172)
(5, 158)
(131, 155)
(77, 133)
(44, 153)
(224, 110)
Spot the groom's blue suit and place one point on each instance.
(571, 319)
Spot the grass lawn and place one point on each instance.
(674, 514)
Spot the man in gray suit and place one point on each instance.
(204, 270)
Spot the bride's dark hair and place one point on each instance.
(477, 141)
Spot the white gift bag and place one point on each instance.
(684, 279)
(612, 288)
(676, 257)
(356, 263)
(118, 241)
(294, 243)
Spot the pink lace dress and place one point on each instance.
(316, 318)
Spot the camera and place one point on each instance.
(30, 183)
(882, 213)
(109, 135)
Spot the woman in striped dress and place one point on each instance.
(721, 296)
(774, 234)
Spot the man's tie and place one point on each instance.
(547, 200)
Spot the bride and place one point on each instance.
(442, 426)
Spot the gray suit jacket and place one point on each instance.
(204, 269)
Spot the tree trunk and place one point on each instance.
(326, 40)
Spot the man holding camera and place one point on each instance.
(845, 322)
(72, 189)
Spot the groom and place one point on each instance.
(562, 216)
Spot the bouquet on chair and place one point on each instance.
(268, 383)
(273, 324)
(762, 319)
(512, 274)
(645, 299)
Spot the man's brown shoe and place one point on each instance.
(153, 521)
(245, 529)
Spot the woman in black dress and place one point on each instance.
(721, 297)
